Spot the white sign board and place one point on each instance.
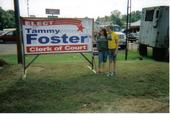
(42, 36)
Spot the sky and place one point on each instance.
(79, 8)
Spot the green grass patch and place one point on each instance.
(139, 86)
(72, 57)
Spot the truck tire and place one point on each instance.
(160, 54)
(142, 49)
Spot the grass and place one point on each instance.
(55, 58)
(57, 85)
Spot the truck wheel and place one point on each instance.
(142, 49)
(161, 54)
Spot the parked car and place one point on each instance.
(1, 32)
(133, 37)
(8, 36)
(122, 40)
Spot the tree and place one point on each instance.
(116, 18)
(2, 12)
(7, 19)
(116, 13)
(11, 19)
(107, 18)
(135, 16)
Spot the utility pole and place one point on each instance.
(28, 8)
(129, 2)
(18, 32)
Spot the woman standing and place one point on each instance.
(102, 46)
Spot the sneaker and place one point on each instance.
(108, 74)
(111, 73)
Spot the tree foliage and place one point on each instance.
(117, 18)
(135, 16)
(7, 19)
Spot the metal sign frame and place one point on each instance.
(90, 61)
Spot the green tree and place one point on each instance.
(116, 18)
(11, 19)
(116, 13)
(135, 16)
(2, 13)
(107, 18)
(7, 19)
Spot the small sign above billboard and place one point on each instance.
(52, 11)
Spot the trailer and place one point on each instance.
(154, 32)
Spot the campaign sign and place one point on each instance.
(42, 36)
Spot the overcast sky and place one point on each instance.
(80, 8)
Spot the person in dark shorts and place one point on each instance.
(102, 46)
(113, 45)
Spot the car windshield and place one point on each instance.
(10, 33)
(116, 28)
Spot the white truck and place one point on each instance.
(154, 32)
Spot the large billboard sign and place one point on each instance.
(42, 36)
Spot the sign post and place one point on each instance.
(18, 30)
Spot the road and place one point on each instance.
(8, 49)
